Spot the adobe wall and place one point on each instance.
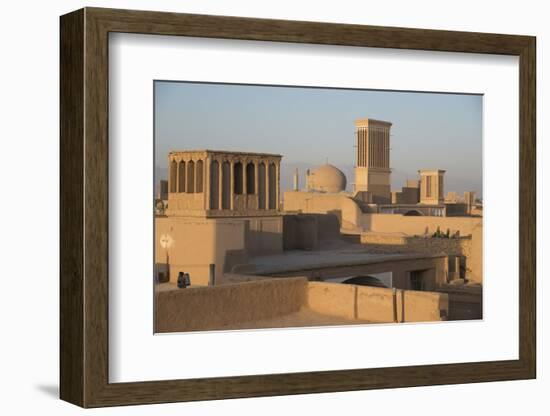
(465, 302)
(407, 195)
(396, 243)
(187, 203)
(376, 304)
(434, 271)
(198, 242)
(306, 231)
(352, 218)
(411, 226)
(219, 307)
(341, 205)
(263, 235)
(209, 308)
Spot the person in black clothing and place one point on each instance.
(183, 280)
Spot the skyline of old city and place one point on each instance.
(428, 129)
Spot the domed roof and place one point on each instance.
(326, 178)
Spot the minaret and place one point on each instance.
(296, 181)
(372, 171)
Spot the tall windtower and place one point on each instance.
(372, 172)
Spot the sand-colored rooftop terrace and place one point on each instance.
(330, 254)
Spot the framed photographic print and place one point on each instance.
(255, 207)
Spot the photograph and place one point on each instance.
(297, 206)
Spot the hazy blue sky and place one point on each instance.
(310, 125)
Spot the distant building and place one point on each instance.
(409, 194)
(431, 186)
(469, 200)
(161, 201)
(452, 198)
(218, 183)
(162, 192)
(222, 207)
(326, 178)
(372, 173)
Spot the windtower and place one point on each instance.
(372, 172)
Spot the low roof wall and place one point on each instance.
(208, 308)
(376, 304)
(229, 306)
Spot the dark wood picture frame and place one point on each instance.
(84, 207)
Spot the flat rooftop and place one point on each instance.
(305, 317)
(225, 152)
(225, 317)
(330, 254)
